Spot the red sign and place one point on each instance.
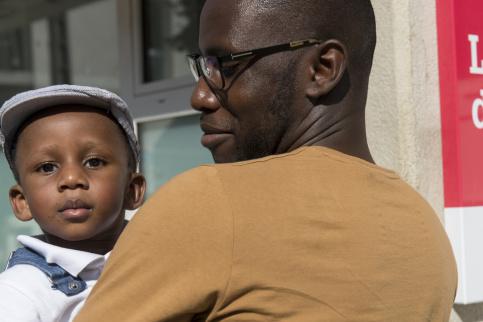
(460, 47)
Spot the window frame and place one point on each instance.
(148, 101)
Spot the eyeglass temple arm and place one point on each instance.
(282, 47)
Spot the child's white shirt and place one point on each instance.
(26, 293)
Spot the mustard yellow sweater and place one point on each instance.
(311, 235)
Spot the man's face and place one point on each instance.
(252, 115)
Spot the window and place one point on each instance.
(168, 147)
(135, 48)
(42, 43)
(155, 37)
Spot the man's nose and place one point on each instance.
(203, 99)
(72, 177)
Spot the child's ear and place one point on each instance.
(328, 65)
(19, 203)
(135, 192)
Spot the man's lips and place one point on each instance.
(213, 135)
(75, 209)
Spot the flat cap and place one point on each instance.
(21, 106)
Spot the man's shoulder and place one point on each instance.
(304, 162)
(193, 177)
(200, 185)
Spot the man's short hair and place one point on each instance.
(350, 21)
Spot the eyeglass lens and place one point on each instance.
(194, 68)
(209, 67)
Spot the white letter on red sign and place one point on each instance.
(477, 103)
(474, 69)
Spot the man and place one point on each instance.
(295, 222)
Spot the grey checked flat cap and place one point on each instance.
(20, 107)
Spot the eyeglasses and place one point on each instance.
(210, 66)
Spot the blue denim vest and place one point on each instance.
(61, 280)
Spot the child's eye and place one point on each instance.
(46, 168)
(94, 163)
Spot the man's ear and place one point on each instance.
(135, 192)
(328, 64)
(19, 203)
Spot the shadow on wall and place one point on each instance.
(469, 313)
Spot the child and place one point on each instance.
(74, 154)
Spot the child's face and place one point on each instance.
(74, 175)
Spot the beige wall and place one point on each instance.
(403, 117)
(403, 107)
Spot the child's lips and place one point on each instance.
(76, 210)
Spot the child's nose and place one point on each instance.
(72, 177)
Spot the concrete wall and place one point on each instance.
(403, 116)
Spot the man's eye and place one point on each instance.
(94, 163)
(228, 71)
(46, 168)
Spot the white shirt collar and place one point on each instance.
(73, 261)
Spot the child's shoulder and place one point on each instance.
(24, 290)
(26, 280)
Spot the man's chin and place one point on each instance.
(217, 158)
